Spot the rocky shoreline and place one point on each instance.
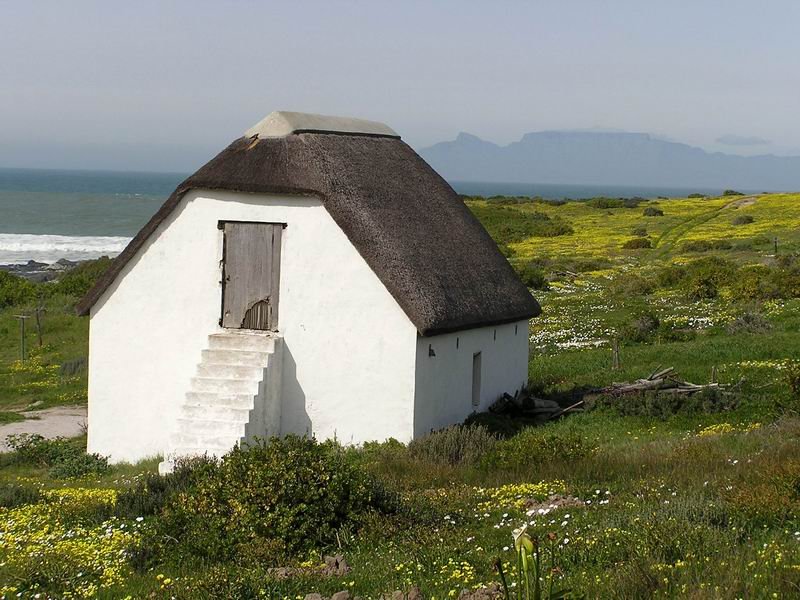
(41, 272)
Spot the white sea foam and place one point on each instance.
(19, 248)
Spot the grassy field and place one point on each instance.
(634, 498)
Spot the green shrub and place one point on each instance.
(499, 425)
(639, 231)
(532, 276)
(732, 193)
(14, 494)
(78, 281)
(570, 264)
(605, 203)
(509, 225)
(742, 220)
(506, 200)
(455, 445)
(537, 444)
(756, 282)
(15, 290)
(750, 321)
(666, 405)
(637, 243)
(699, 287)
(64, 458)
(651, 211)
(705, 276)
(269, 501)
(150, 496)
(668, 333)
(630, 284)
(670, 276)
(788, 276)
(641, 328)
(706, 245)
(696, 195)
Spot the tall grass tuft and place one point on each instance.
(456, 445)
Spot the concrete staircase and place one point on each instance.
(234, 395)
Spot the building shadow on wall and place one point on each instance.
(294, 413)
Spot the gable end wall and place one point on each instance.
(349, 359)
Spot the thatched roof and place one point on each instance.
(412, 229)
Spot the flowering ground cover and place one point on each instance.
(628, 499)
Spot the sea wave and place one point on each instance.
(19, 248)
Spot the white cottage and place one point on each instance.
(316, 277)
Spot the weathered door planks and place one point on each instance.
(251, 275)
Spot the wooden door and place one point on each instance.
(251, 261)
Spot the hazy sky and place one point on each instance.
(164, 85)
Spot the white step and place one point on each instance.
(215, 413)
(227, 386)
(235, 357)
(241, 341)
(211, 427)
(217, 399)
(194, 440)
(200, 451)
(227, 371)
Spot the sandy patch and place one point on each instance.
(742, 202)
(61, 421)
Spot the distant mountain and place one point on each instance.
(612, 158)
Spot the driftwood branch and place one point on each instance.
(660, 381)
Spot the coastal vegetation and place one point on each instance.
(644, 495)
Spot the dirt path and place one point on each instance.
(671, 236)
(61, 421)
(742, 202)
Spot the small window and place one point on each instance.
(476, 380)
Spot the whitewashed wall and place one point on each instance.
(444, 381)
(349, 350)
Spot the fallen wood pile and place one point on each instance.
(661, 381)
(522, 404)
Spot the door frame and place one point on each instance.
(221, 227)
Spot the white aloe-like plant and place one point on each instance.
(534, 581)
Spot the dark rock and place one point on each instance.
(281, 573)
(335, 566)
(489, 592)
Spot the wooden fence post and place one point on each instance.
(615, 362)
(39, 310)
(21, 319)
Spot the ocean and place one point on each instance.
(46, 215)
